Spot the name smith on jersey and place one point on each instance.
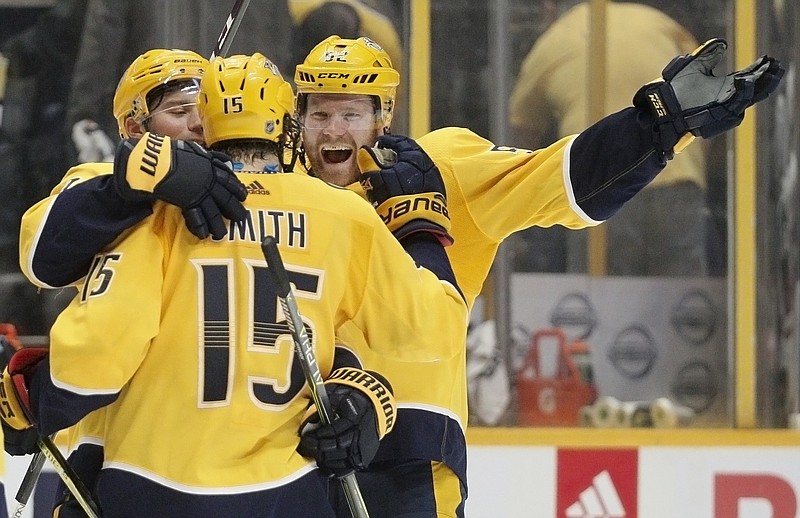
(288, 227)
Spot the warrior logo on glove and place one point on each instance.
(363, 412)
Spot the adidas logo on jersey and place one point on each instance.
(600, 500)
(256, 188)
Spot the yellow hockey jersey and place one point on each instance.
(492, 192)
(69, 252)
(191, 335)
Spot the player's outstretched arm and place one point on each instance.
(61, 234)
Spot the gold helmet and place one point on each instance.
(245, 97)
(343, 66)
(152, 69)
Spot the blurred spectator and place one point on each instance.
(663, 230)
(461, 82)
(329, 18)
(116, 31)
(315, 20)
(32, 142)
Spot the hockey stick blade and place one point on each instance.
(229, 29)
(28, 483)
(308, 361)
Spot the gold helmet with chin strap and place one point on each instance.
(345, 66)
(245, 97)
(150, 70)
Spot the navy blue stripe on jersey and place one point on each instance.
(54, 408)
(345, 357)
(83, 219)
(428, 252)
(123, 494)
(405, 489)
(86, 461)
(423, 435)
(216, 333)
(614, 159)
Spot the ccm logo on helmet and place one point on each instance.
(332, 75)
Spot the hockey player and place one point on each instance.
(492, 191)
(183, 343)
(157, 93)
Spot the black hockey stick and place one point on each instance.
(50, 452)
(28, 483)
(305, 352)
(229, 30)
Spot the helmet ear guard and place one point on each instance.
(348, 66)
(150, 70)
(246, 98)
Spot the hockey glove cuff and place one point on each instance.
(363, 411)
(15, 407)
(405, 187)
(691, 101)
(184, 174)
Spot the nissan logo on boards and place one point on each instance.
(694, 318)
(633, 352)
(575, 315)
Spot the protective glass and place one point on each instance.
(351, 115)
(178, 103)
(176, 110)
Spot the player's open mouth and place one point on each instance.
(336, 154)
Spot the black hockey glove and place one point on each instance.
(363, 411)
(691, 101)
(405, 187)
(184, 174)
(19, 435)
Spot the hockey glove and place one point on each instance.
(362, 412)
(691, 101)
(19, 435)
(408, 192)
(182, 173)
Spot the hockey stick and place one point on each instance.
(28, 483)
(48, 450)
(305, 352)
(229, 30)
(71, 480)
